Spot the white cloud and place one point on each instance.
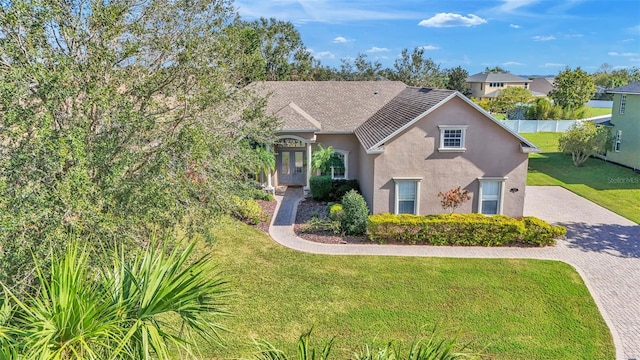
(635, 60)
(543, 38)
(628, 40)
(325, 55)
(429, 47)
(340, 40)
(515, 26)
(376, 49)
(512, 5)
(512, 63)
(573, 36)
(614, 53)
(553, 65)
(451, 20)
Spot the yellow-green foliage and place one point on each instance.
(247, 210)
(336, 212)
(461, 229)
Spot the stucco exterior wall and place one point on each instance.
(629, 123)
(491, 152)
(366, 170)
(480, 90)
(348, 143)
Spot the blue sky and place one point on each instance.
(523, 36)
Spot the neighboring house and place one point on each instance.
(403, 144)
(625, 121)
(488, 84)
(542, 85)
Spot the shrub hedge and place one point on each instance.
(462, 229)
(247, 210)
(323, 188)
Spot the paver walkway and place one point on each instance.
(603, 247)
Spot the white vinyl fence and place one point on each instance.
(534, 126)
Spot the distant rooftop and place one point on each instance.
(633, 88)
(496, 77)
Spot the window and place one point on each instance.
(623, 103)
(491, 194)
(407, 195)
(496, 84)
(339, 164)
(452, 137)
(616, 146)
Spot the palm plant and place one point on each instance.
(320, 159)
(124, 310)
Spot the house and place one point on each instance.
(625, 121)
(542, 85)
(403, 144)
(488, 84)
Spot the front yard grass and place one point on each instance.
(513, 309)
(614, 187)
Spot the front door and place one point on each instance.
(292, 168)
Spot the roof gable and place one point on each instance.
(333, 106)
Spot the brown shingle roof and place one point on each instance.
(339, 106)
(398, 113)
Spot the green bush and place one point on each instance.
(248, 211)
(541, 233)
(356, 214)
(321, 224)
(323, 188)
(461, 229)
(339, 187)
(260, 194)
(335, 211)
(320, 187)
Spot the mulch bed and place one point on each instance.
(309, 208)
(306, 210)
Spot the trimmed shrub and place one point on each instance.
(461, 229)
(248, 211)
(539, 232)
(323, 188)
(320, 187)
(356, 214)
(339, 187)
(335, 211)
(260, 194)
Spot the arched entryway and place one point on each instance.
(293, 161)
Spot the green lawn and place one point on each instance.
(614, 187)
(591, 112)
(516, 309)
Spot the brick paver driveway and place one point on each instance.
(605, 249)
(602, 246)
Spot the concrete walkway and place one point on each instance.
(602, 246)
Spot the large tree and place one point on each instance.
(510, 98)
(417, 70)
(456, 79)
(573, 88)
(116, 121)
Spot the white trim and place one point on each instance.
(306, 141)
(623, 104)
(345, 154)
(416, 204)
(502, 181)
(416, 119)
(462, 147)
(499, 123)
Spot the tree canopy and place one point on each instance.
(583, 140)
(116, 122)
(573, 88)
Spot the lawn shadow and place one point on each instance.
(618, 240)
(596, 173)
